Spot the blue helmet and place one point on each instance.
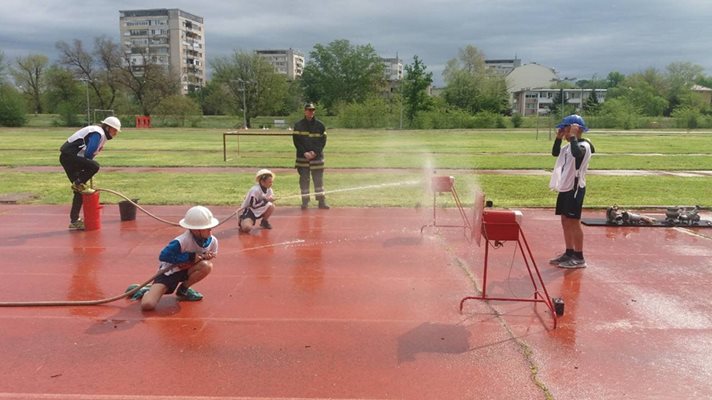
(573, 119)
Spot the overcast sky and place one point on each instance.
(578, 39)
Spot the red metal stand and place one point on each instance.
(446, 184)
(499, 226)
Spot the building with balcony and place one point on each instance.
(287, 62)
(171, 38)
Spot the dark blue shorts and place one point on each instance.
(248, 214)
(173, 280)
(570, 204)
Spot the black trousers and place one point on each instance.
(305, 176)
(77, 169)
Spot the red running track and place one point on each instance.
(352, 304)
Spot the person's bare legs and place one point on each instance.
(268, 212)
(573, 233)
(198, 272)
(246, 225)
(151, 298)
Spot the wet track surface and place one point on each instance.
(353, 304)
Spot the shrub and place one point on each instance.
(12, 107)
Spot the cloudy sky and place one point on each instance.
(579, 39)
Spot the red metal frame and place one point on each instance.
(501, 226)
(445, 184)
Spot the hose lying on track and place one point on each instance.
(83, 302)
(156, 217)
(127, 293)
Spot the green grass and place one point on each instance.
(406, 153)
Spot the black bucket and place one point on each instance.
(128, 210)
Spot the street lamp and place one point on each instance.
(242, 86)
(86, 84)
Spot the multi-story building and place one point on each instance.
(171, 38)
(504, 66)
(393, 69)
(532, 101)
(393, 73)
(288, 62)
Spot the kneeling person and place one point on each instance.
(190, 254)
(258, 202)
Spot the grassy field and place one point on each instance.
(355, 166)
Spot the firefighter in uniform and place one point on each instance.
(309, 137)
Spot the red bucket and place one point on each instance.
(92, 211)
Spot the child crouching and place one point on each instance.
(186, 258)
(258, 202)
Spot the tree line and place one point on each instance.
(347, 82)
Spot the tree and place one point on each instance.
(12, 106)
(470, 86)
(592, 104)
(148, 81)
(177, 109)
(414, 89)
(86, 68)
(252, 83)
(64, 95)
(342, 72)
(614, 79)
(29, 77)
(681, 77)
(211, 98)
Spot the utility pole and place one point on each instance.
(242, 87)
(86, 84)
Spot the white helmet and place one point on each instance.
(198, 217)
(112, 122)
(261, 172)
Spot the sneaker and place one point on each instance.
(188, 294)
(77, 225)
(265, 224)
(573, 263)
(323, 205)
(304, 206)
(559, 259)
(139, 293)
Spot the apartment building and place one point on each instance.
(503, 66)
(171, 38)
(287, 62)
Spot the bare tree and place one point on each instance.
(86, 68)
(29, 77)
(148, 81)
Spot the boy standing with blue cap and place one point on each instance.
(569, 179)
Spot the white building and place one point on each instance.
(172, 38)
(530, 89)
(528, 101)
(393, 69)
(287, 62)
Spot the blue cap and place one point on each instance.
(572, 119)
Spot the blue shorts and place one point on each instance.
(172, 281)
(248, 214)
(570, 204)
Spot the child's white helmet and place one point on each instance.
(261, 172)
(198, 217)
